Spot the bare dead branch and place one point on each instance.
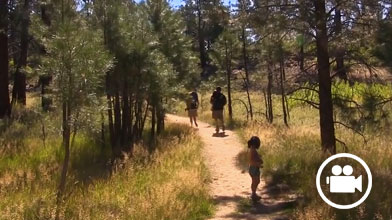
(302, 88)
(353, 129)
(342, 143)
(313, 104)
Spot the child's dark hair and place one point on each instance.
(254, 141)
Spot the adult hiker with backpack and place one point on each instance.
(218, 101)
(192, 104)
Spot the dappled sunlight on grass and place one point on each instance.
(168, 184)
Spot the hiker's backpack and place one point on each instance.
(194, 101)
(219, 101)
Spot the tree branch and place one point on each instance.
(302, 88)
(353, 129)
(313, 104)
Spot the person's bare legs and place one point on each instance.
(190, 119)
(194, 120)
(255, 183)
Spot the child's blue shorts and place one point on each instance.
(254, 171)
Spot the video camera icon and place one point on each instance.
(346, 183)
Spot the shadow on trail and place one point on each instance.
(247, 209)
(221, 135)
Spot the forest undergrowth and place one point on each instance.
(167, 184)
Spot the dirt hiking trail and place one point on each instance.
(230, 186)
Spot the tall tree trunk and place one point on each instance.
(340, 67)
(66, 145)
(327, 128)
(130, 130)
(153, 125)
(249, 100)
(228, 76)
(269, 94)
(265, 104)
(125, 117)
(282, 90)
(117, 119)
(200, 35)
(160, 117)
(19, 90)
(245, 59)
(301, 58)
(5, 107)
(244, 54)
(110, 114)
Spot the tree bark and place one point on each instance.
(327, 128)
(247, 82)
(301, 58)
(117, 120)
(19, 90)
(160, 117)
(228, 77)
(245, 55)
(282, 90)
(340, 67)
(269, 95)
(200, 35)
(66, 145)
(125, 116)
(153, 125)
(5, 107)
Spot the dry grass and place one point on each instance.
(169, 184)
(292, 156)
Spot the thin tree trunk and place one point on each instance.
(228, 76)
(301, 58)
(282, 90)
(247, 82)
(340, 67)
(66, 145)
(125, 116)
(244, 55)
(200, 34)
(153, 124)
(103, 130)
(130, 131)
(5, 107)
(160, 117)
(117, 120)
(327, 128)
(266, 105)
(269, 94)
(249, 101)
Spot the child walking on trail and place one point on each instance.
(255, 163)
(192, 104)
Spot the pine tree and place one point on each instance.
(5, 108)
(77, 60)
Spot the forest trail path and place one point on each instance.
(230, 186)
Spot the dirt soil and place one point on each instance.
(230, 186)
